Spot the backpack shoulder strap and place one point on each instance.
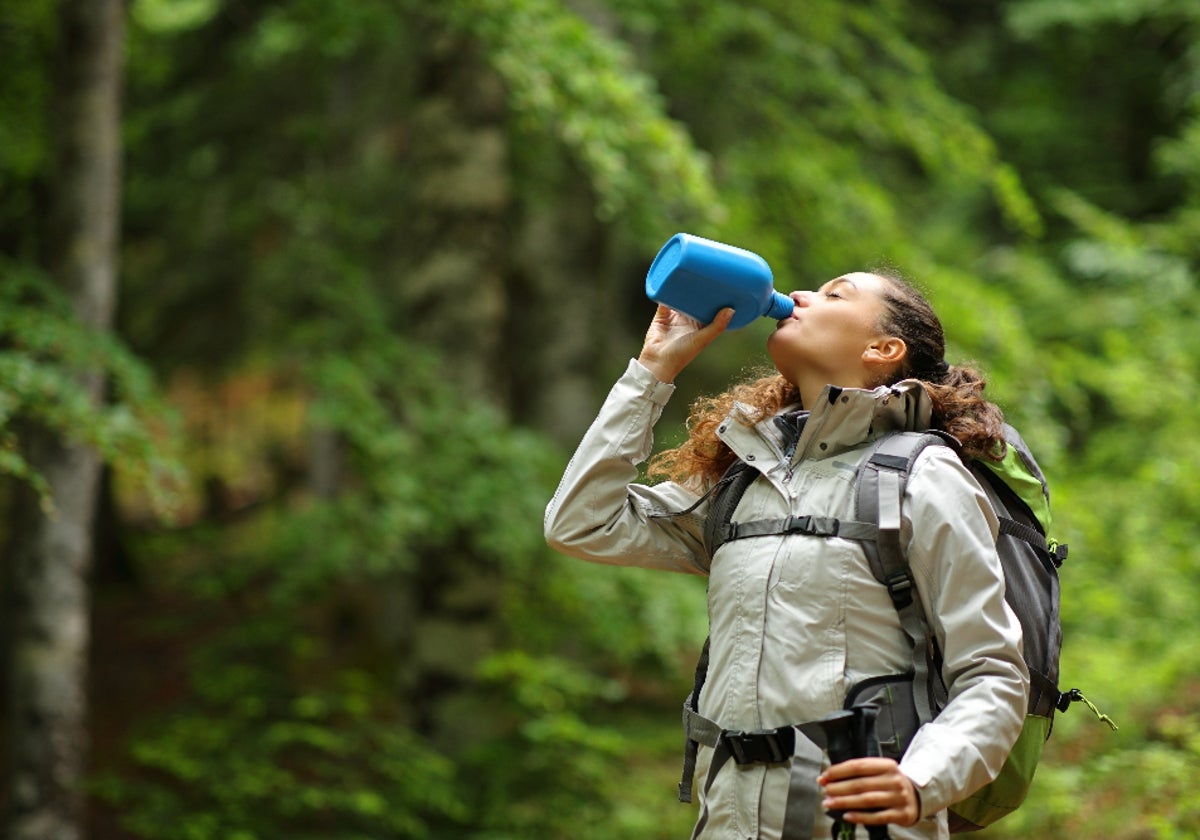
(880, 483)
(723, 500)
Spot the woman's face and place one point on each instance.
(829, 331)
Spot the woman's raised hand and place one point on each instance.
(674, 340)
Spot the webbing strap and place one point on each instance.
(879, 496)
(1024, 532)
(803, 751)
(700, 729)
(804, 794)
(708, 732)
(719, 757)
(690, 705)
(812, 526)
(890, 492)
(1044, 695)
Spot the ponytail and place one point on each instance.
(959, 407)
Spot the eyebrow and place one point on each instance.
(840, 280)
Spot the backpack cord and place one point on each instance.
(1074, 695)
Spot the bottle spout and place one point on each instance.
(781, 306)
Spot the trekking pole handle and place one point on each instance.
(847, 734)
(839, 736)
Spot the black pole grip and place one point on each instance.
(840, 736)
(851, 734)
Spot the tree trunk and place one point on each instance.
(51, 549)
(455, 296)
(570, 338)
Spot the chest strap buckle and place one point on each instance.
(761, 746)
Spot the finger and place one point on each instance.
(868, 792)
(861, 794)
(862, 800)
(887, 816)
(670, 322)
(717, 326)
(856, 768)
(664, 315)
(722, 320)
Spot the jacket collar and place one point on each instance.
(842, 419)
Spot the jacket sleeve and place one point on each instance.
(600, 514)
(952, 552)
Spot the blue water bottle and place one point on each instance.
(700, 277)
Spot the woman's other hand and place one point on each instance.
(870, 791)
(674, 340)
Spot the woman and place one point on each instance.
(795, 621)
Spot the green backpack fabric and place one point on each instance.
(1017, 490)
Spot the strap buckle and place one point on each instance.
(813, 526)
(899, 586)
(760, 746)
(1058, 553)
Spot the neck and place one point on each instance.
(810, 392)
(812, 385)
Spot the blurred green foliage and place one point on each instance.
(45, 360)
(397, 654)
(569, 81)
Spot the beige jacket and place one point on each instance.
(796, 621)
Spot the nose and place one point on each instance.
(801, 298)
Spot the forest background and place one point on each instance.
(358, 275)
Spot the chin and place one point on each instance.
(776, 350)
(779, 337)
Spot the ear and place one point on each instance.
(885, 350)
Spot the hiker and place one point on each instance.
(797, 621)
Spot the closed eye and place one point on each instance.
(833, 288)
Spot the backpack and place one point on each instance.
(1017, 490)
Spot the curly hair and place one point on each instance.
(702, 459)
(955, 391)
